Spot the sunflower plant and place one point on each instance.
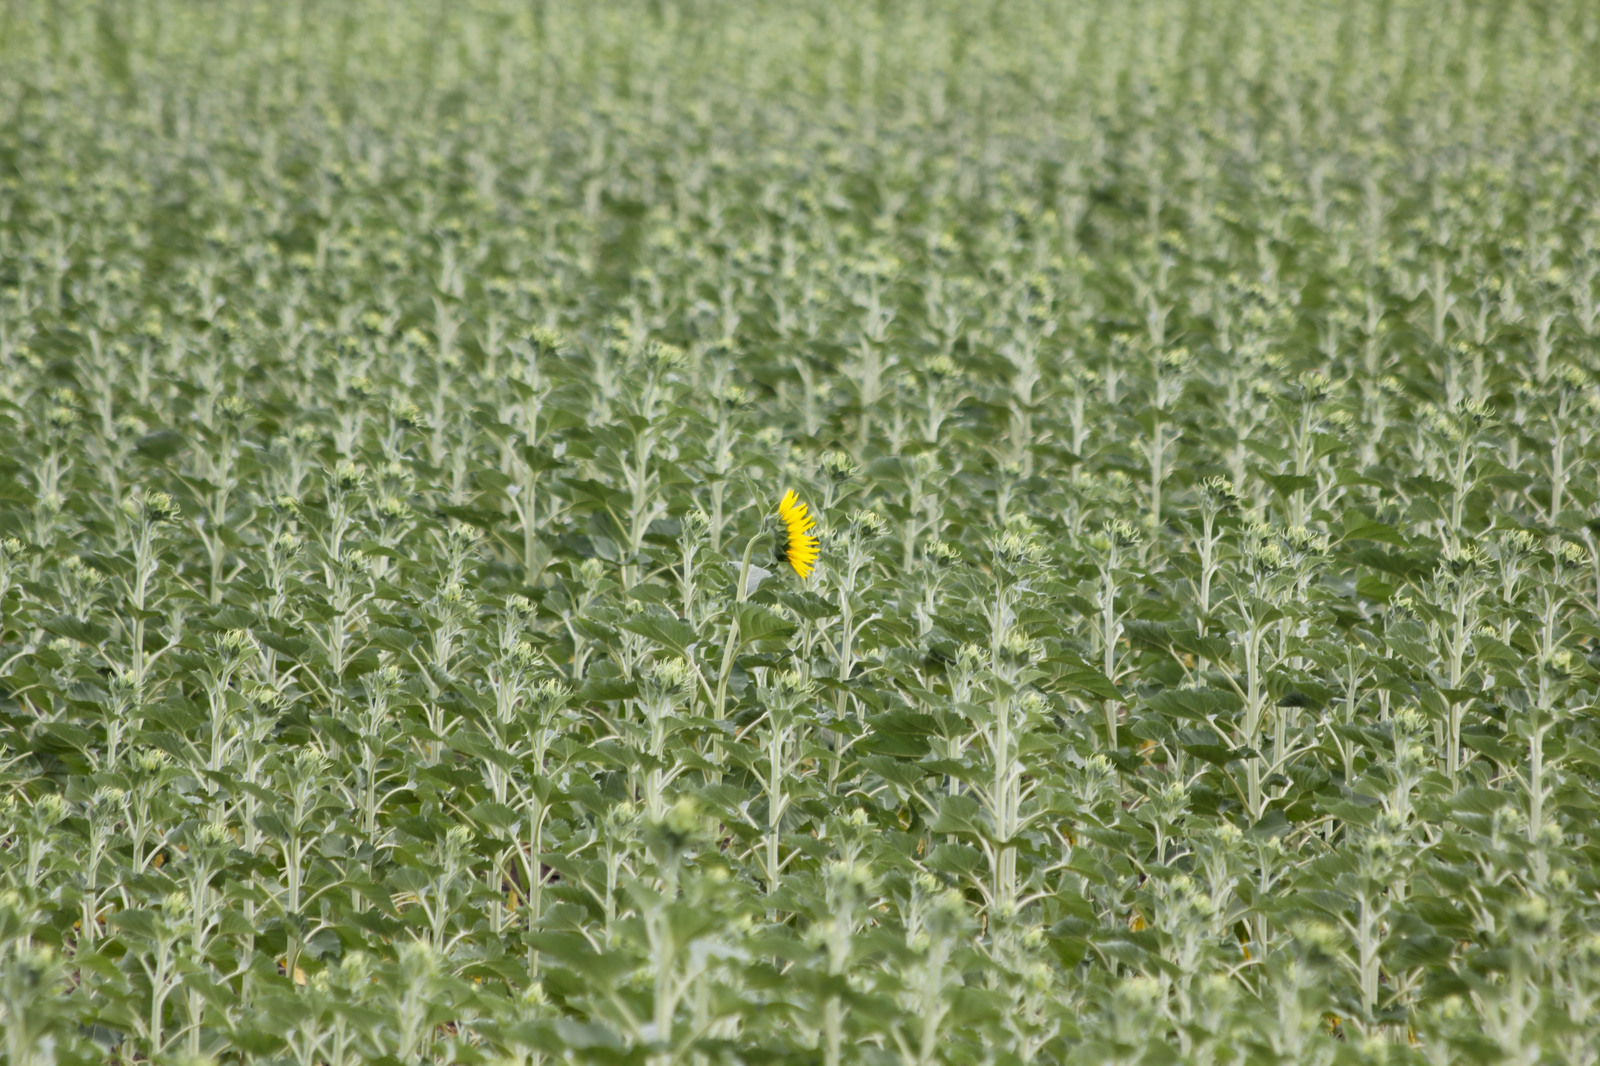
(930, 540)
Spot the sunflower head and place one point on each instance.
(796, 546)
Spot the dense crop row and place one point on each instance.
(1199, 404)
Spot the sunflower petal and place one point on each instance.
(798, 548)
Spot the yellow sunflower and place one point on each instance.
(796, 545)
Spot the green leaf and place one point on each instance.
(1199, 705)
(759, 624)
(161, 445)
(960, 815)
(76, 629)
(670, 633)
(1360, 527)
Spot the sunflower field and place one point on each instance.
(733, 531)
